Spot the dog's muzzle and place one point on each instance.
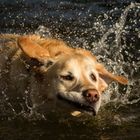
(88, 107)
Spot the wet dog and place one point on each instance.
(69, 75)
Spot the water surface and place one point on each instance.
(111, 31)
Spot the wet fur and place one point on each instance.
(34, 64)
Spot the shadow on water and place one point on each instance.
(111, 31)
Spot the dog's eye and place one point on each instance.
(93, 77)
(67, 77)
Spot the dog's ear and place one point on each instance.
(32, 49)
(43, 49)
(108, 76)
(105, 76)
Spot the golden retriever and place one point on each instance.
(66, 74)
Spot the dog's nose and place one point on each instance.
(91, 95)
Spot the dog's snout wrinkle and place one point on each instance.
(91, 95)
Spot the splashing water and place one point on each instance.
(113, 50)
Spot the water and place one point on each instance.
(111, 32)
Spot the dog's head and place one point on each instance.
(78, 79)
(75, 80)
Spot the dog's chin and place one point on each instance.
(88, 109)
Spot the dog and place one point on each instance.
(65, 74)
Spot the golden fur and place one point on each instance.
(72, 74)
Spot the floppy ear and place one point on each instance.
(32, 49)
(108, 76)
(105, 76)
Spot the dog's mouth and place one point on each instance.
(82, 107)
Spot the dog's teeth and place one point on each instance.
(75, 113)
